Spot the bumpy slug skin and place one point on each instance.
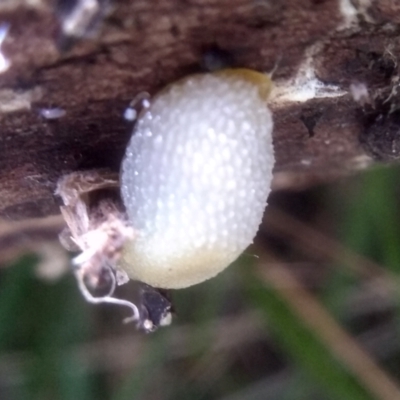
(196, 177)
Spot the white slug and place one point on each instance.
(196, 176)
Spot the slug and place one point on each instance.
(196, 176)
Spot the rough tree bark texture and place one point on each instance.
(141, 45)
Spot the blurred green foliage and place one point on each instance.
(45, 320)
(44, 327)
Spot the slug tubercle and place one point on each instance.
(196, 176)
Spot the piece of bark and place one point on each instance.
(142, 45)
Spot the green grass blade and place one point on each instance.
(303, 345)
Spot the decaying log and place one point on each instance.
(142, 45)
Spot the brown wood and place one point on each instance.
(142, 45)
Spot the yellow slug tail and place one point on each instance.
(259, 79)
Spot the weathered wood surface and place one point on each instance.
(141, 45)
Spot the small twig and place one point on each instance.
(29, 236)
(306, 236)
